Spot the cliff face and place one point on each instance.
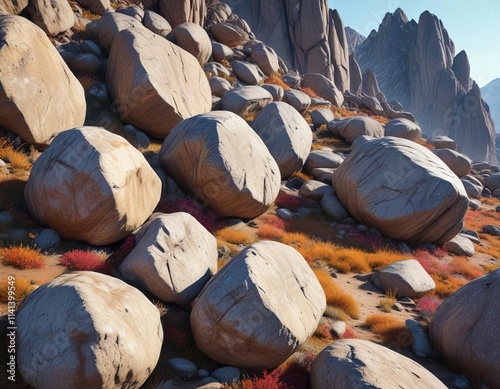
(308, 36)
(491, 94)
(354, 39)
(416, 65)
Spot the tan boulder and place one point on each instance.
(111, 24)
(324, 88)
(92, 185)
(286, 134)
(298, 100)
(181, 11)
(9, 7)
(220, 159)
(228, 34)
(403, 190)
(52, 16)
(259, 308)
(173, 259)
(459, 164)
(87, 330)
(245, 100)
(194, 39)
(465, 330)
(39, 95)
(265, 58)
(248, 73)
(403, 128)
(352, 128)
(154, 92)
(98, 7)
(357, 364)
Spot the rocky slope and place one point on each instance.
(491, 94)
(415, 63)
(354, 39)
(306, 34)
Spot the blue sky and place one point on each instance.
(474, 26)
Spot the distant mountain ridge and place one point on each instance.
(491, 94)
(415, 63)
(354, 39)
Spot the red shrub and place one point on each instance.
(427, 305)
(205, 216)
(275, 221)
(288, 201)
(349, 334)
(82, 260)
(374, 242)
(325, 332)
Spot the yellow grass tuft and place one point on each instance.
(22, 257)
(22, 288)
(233, 236)
(388, 301)
(18, 160)
(267, 231)
(335, 296)
(276, 80)
(390, 328)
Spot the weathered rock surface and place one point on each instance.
(155, 91)
(98, 7)
(321, 116)
(356, 363)
(173, 259)
(181, 11)
(86, 329)
(314, 190)
(265, 58)
(156, 23)
(245, 100)
(324, 88)
(493, 182)
(220, 51)
(248, 73)
(9, 7)
(403, 128)
(298, 100)
(352, 128)
(467, 321)
(460, 245)
(219, 86)
(228, 34)
(86, 186)
(219, 158)
(39, 96)
(110, 24)
(415, 63)
(459, 164)
(324, 158)
(276, 91)
(52, 16)
(408, 278)
(242, 318)
(286, 134)
(403, 190)
(194, 39)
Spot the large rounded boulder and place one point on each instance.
(403, 128)
(465, 330)
(92, 185)
(357, 364)
(173, 259)
(180, 11)
(286, 134)
(259, 308)
(155, 91)
(194, 39)
(402, 189)
(219, 158)
(352, 128)
(87, 330)
(39, 95)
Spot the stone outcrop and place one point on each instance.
(354, 39)
(308, 36)
(356, 363)
(352, 128)
(402, 189)
(39, 95)
(415, 63)
(154, 92)
(181, 11)
(219, 158)
(259, 308)
(93, 186)
(491, 94)
(52, 16)
(86, 329)
(467, 321)
(9, 7)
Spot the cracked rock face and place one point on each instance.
(86, 185)
(87, 330)
(403, 190)
(219, 158)
(173, 259)
(39, 95)
(259, 308)
(154, 92)
(468, 320)
(357, 364)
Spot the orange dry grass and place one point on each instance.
(304, 176)
(462, 266)
(475, 221)
(86, 13)
(234, 236)
(267, 231)
(390, 328)
(19, 161)
(446, 285)
(324, 138)
(22, 257)
(276, 80)
(335, 296)
(22, 289)
(309, 91)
